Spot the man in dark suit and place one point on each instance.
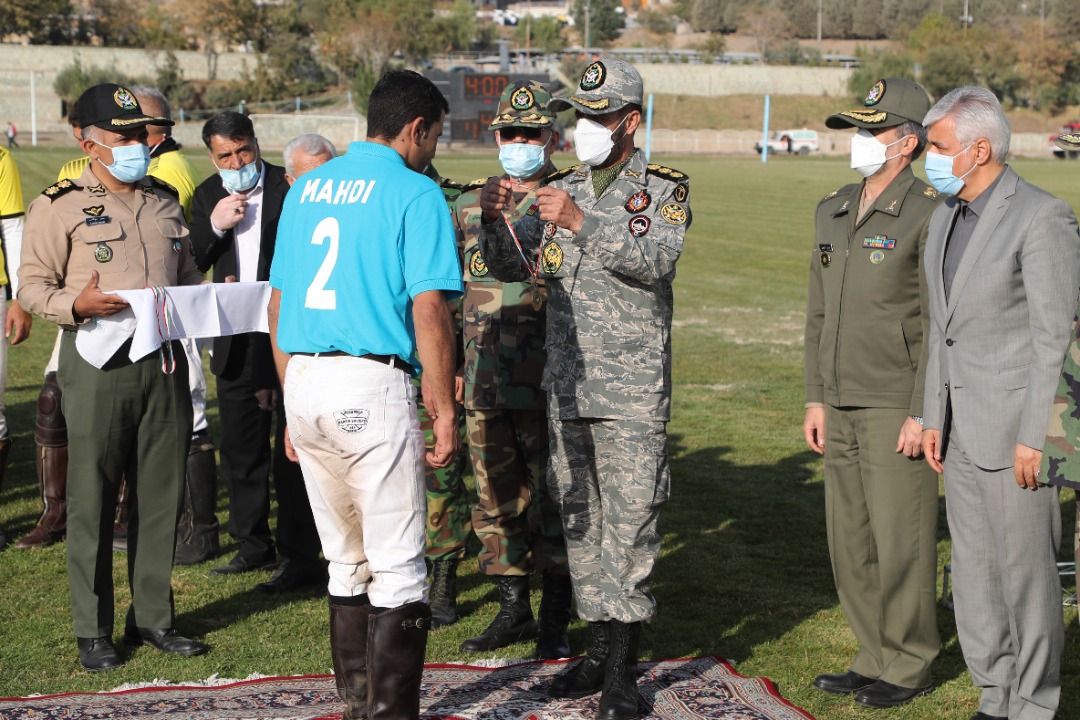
(1002, 268)
(233, 229)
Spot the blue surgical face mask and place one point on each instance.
(940, 174)
(521, 160)
(240, 180)
(130, 162)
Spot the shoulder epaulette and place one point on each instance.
(60, 188)
(447, 184)
(162, 185)
(666, 172)
(830, 196)
(474, 185)
(560, 174)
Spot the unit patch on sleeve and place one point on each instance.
(477, 266)
(638, 202)
(639, 225)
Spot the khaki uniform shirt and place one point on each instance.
(868, 311)
(609, 289)
(135, 240)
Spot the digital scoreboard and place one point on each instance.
(474, 99)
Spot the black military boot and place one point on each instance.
(620, 699)
(397, 640)
(587, 676)
(51, 462)
(443, 594)
(349, 651)
(514, 621)
(552, 642)
(197, 529)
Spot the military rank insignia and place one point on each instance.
(96, 189)
(148, 189)
(638, 202)
(522, 99)
(551, 257)
(177, 247)
(59, 188)
(879, 241)
(930, 192)
(674, 213)
(549, 230)
(876, 93)
(477, 266)
(632, 174)
(639, 225)
(103, 253)
(877, 257)
(593, 77)
(680, 193)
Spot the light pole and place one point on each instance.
(588, 14)
(819, 14)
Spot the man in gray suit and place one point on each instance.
(1002, 266)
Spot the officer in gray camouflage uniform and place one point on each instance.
(606, 237)
(516, 518)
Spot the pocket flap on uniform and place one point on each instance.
(172, 228)
(1015, 378)
(98, 232)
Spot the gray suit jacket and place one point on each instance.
(997, 344)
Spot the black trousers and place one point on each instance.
(247, 463)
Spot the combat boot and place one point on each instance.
(397, 640)
(620, 699)
(349, 650)
(514, 621)
(443, 593)
(51, 463)
(552, 642)
(587, 676)
(197, 529)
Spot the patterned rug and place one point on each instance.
(689, 689)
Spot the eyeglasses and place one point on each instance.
(522, 133)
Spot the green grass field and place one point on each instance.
(745, 570)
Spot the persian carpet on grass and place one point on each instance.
(688, 689)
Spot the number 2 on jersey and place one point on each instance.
(318, 297)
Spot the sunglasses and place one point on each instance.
(515, 133)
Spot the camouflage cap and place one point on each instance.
(113, 107)
(524, 104)
(606, 85)
(1068, 141)
(890, 102)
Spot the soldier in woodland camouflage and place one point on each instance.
(1059, 462)
(448, 522)
(605, 237)
(516, 519)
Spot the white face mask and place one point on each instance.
(593, 142)
(867, 154)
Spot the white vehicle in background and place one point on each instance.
(795, 142)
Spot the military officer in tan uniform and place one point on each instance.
(605, 237)
(866, 321)
(115, 229)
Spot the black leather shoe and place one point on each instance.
(886, 695)
(98, 654)
(843, 683)
(240, 564)
(290, 576)
(983, 716)
(165, 640)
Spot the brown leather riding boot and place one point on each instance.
(349, 650)
(51, 462)
(397, 640)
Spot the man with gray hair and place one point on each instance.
(304, 153)
(1002, 266)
